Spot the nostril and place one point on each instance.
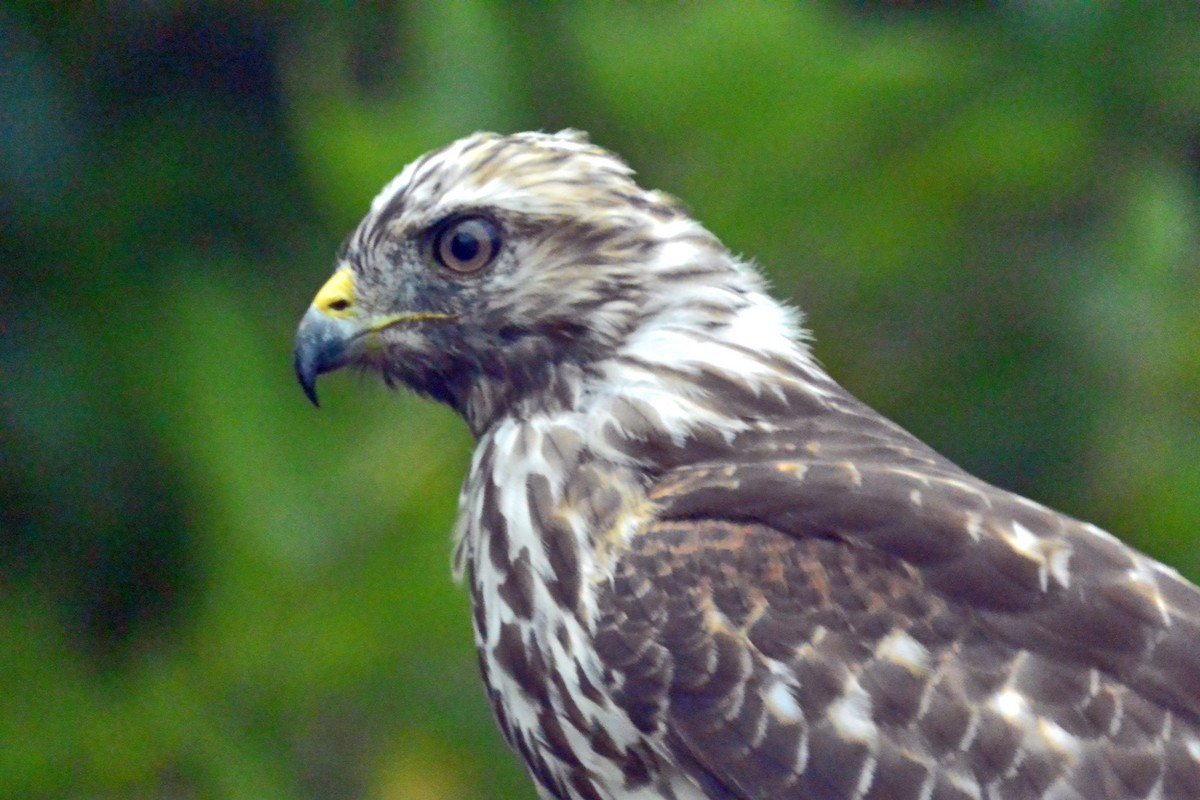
(339, 305)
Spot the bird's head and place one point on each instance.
(501, 268)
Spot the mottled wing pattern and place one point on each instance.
(864, 620)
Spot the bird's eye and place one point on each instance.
(467, 245)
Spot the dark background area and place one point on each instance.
(210, 590)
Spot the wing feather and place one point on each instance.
(777, 667)
(1041, 579)
(865, 620)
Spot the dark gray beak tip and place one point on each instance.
(306, 373)
(321, 346)
(324, 344)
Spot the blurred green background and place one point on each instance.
(210, 590)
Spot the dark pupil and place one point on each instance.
(464, 246)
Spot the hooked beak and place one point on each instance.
(333, 332)
(330, 335)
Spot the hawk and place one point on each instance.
(699, 568)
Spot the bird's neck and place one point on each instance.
(558, 488)
(559, 485)
(703, 360)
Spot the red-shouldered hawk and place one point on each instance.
(700, 568)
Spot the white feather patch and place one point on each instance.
(902, 649)
(851, 713)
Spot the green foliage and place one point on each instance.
(208, 589)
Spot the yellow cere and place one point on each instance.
(336, 298)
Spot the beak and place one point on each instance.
(330, 335)
(333, 332)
